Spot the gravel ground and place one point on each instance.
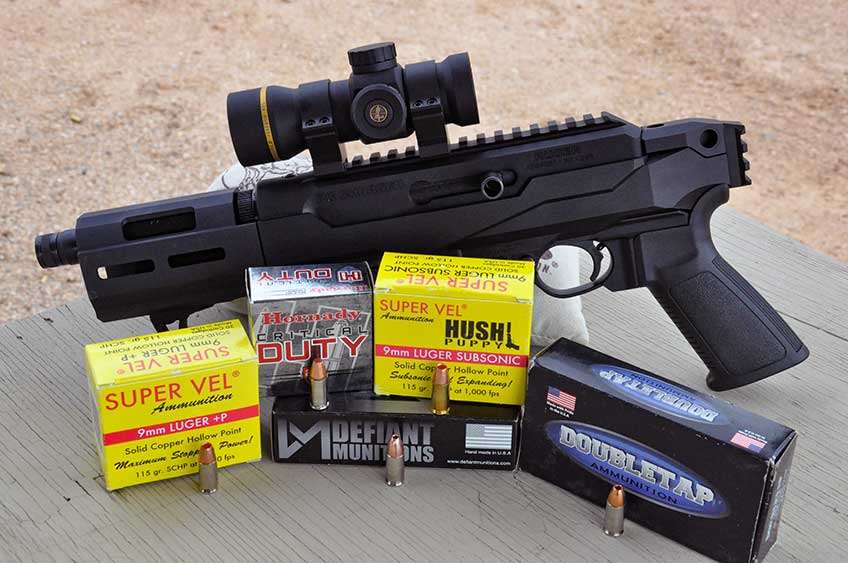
(105, 104)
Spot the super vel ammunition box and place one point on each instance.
(159, 397)
(296, 312)
(696, 469)
(470, 314)
(356, 427)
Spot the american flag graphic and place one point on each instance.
(561, 399)
(747, 442)
(488, 437)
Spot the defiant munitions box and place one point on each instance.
(356, 428)
(471, 314)
(696, 469)
(300, 311)
(158, 397)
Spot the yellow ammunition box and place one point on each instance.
(472, 314)
(158, 397)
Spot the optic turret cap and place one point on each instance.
(372, 58)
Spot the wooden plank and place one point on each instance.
(53, 505)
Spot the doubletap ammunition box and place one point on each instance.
(356, 428)
(696, 469)
(298, 311)
(158, 397)
(472, 314)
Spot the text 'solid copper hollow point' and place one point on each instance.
(441, 390)
(208, 471)
(614, 513)
(318, 397)
(394, 461)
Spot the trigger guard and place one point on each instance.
(593, 250)
(596, 279)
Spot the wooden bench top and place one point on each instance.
(53, 504)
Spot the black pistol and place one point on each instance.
(637, 200)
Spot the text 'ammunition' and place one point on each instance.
(394, 462)
(614, 512)
(208, 469)
(441, 390)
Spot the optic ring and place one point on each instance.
(266, 123)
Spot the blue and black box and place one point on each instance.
(696, 469)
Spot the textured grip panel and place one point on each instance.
(733, 329)
(737, 334)
(758, 301)
(733, 333)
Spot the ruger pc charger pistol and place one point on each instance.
(638, 199)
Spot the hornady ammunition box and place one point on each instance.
(471, 314)
(696, 469)
(158, 397)
(298, 311)
(356, 428)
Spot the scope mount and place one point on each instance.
(425, 110)
(319, 130)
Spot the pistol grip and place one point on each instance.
(737, 334)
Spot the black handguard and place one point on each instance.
(645, 195)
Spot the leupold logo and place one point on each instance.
(658, 395)
(641, 470)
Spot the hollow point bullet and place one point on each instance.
(614, 513)
(314, 352)
(318, 398)
(208, 469)
(394, 462)
(441, 390)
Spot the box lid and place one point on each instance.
(271, 283)
(365, 403)
(456, 276)
(136, 358)
(756, 435)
